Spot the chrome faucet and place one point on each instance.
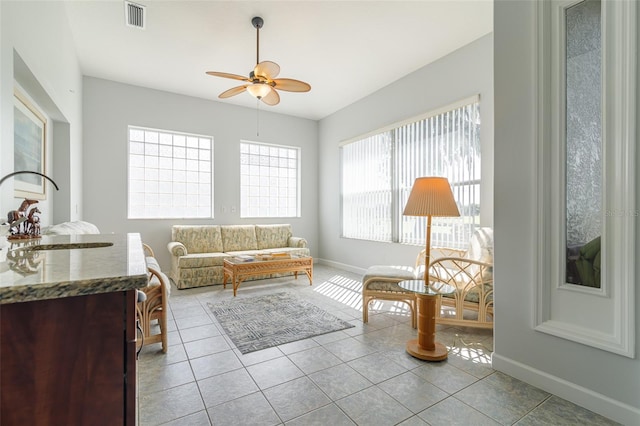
(31, 172)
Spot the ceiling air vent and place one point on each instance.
(134, 15)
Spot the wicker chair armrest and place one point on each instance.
(148, 251)
(161, 281)
(456, 270)
(177, 249)
(450, 252)
(462, 260)
(442, 251)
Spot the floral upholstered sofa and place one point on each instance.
(198, 251)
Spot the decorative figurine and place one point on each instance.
(33, 222)
(23, 224)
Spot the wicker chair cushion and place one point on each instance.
(385, 286)
(481, 245)
(474, 295)
(152, 263)
(386, 278)
(153, 282)
(386, 271)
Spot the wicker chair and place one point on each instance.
(381, 282)
(469, 271)
(155, 307)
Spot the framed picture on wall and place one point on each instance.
(29, 143)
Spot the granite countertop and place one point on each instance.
(114, 262)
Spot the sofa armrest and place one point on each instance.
(177, 249)
(297, 242)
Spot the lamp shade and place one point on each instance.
(431, 196)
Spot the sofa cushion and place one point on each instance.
(198, 238)
(239, 237)
(273, 236)
(202, 260)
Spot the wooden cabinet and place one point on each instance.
(69, 361)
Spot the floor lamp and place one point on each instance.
(430, 196)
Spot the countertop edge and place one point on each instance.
(27, 293)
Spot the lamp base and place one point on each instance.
(439, 353)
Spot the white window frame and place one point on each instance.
(265, 191)
(170, 174)
(602, 318)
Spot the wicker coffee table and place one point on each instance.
(237, 270)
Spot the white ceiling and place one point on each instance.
(346, 50)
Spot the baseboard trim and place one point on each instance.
(596, 402)
(339, 265)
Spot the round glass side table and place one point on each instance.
(425, 346)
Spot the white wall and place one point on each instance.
(465, 72)
(600, 381)
(38, 53)
(109, 107)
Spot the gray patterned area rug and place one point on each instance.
(262, 322)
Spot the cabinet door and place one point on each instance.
(63, 361)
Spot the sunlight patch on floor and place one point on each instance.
(469, 351)
(342, 289)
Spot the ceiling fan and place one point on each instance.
(262, 81)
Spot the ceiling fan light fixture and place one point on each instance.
(259, 90)
(262, 81)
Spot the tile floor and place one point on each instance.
(359, 376)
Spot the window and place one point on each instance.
(378, 172)
(586, 172)
(170, 174)
(269, 176)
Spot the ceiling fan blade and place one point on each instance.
(272, 98)
(232, 92)
(291, 85)
(227, 75)
(267, 69)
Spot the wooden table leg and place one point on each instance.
(425, 346)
